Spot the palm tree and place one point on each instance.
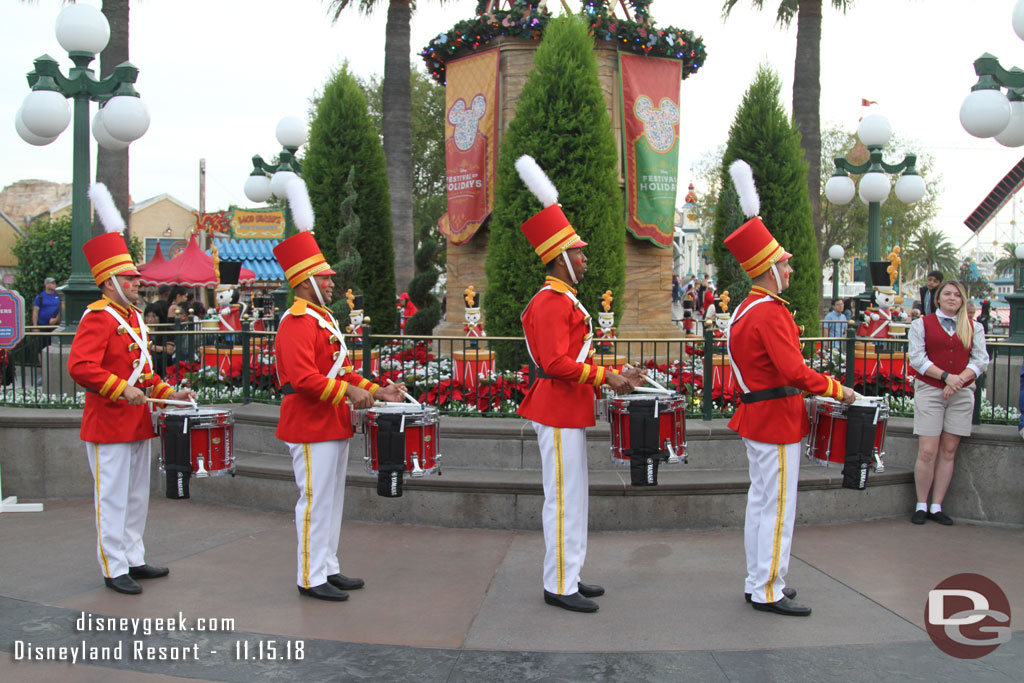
(806, 84)
(396, 124)
(1007, 262)
(932, 250)
(112, 166)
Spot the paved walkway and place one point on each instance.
(465, 604)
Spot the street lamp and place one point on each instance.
(1016, 300)
(836, 253)
(874, 132)
(272, 179)
(83, 31)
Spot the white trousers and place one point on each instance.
(120, 472)
(771, 511)
(563, 457)
(320, 475)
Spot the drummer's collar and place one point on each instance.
(558, 285)
(117, 307)
(761, 291)
(316, 307)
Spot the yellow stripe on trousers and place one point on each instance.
(780, 515)
(560, 507)
(307, 515)
(99, 532)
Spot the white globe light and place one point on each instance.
(103, 137)
(910, 188)
(1018, 19)
(1019, 252)
(1013, 134)
(279, 183)
(875, 130)
(985, 113)
(874, 187)
(291, 131)
(257, 188)
(836, 252)
(840, 189)
(82, 28)
(27, 135)
(126, 118)
(46, 113)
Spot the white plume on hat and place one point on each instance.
(743, 181)
(536, 180)
(103, 203)
(298, 200)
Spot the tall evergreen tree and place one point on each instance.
(341, 136)
(763, 136)
(349, 261)
(560, 121)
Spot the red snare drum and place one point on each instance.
(413, 428)
(827, 440)
(625, 414)
(202, 438)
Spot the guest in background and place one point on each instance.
(927, 301)
(163, 343)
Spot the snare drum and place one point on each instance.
(195, 441)
(827, 440)
(402, 437)
(649, 425)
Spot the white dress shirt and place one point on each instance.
(919, 359)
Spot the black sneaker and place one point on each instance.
(941, 517)
(919, 516)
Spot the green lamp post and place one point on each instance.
(874, 132)
(988, 112)
(83, 31)
(272, 179)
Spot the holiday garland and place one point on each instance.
(526, 20)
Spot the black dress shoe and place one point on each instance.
(784, 606)
(324, 591)
(786, 593)
(590, 590)
(941, 517)
(573, 603)
(919, 516)
(344, 583)
(148, 571)
(123, 584)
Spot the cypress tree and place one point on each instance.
(763, 135)
(560, 121)
(341, 136)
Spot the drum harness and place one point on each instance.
(749, 396)
(141, 341)
(587, 339)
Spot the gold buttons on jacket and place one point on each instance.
(136, 362)
(133, 346)
(334, 356)
(120, 330)
(323, 324)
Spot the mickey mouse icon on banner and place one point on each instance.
(605, 323)
(473, 327)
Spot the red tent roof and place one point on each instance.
(192, 268)
(158, 258)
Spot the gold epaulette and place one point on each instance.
(298, 308)
(98, 305)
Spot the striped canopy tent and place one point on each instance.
(192, 268)
(158, 259)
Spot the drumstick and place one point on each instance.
(646, 377)
(410, 398)
(649, 390)
(173, 402)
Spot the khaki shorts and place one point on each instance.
(934, 414)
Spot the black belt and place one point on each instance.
(287, 389)
(769, 394)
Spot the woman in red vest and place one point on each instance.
(947, 350)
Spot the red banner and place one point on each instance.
(650, 141)
(471, 139)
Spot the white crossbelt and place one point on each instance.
(737, 314)
(143, 342)
(587, 340)
(332, 327)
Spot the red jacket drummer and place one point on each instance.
(316, 378)
(764, 352)
(110, 358)
(560, 403)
